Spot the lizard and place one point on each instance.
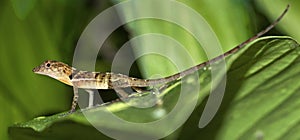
(108, 80)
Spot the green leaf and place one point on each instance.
(261, 97)
(175, 56)
(26, 43)
(290, 21)
(261, 100)
(49, 125)
(264, 89)
(23, 7)
(48, 34)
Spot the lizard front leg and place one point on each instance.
(75, 99)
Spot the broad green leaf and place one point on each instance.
(23, 7)
(46, 33)
(261, 97)
(261, 100)
(172, 58)
(44, 125)
(290, 22)
(266, 92)
(50, 31)
(22, 45)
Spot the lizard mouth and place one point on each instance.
(36, 69)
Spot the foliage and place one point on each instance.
(261, 92)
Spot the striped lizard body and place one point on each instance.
(102, 80)
(92, 80)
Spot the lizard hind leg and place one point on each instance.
(138, 90)
(153, 90)
(146, 97)
(123, 94)
(144, 92)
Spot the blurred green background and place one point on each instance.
(36, 30)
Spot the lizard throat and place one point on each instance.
(66, 81)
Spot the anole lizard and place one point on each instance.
(101, 80)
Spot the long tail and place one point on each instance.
(199, 66)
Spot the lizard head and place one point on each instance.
(57, 70)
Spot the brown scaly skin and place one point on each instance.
(56, 70)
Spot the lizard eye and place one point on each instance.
(47, 65)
